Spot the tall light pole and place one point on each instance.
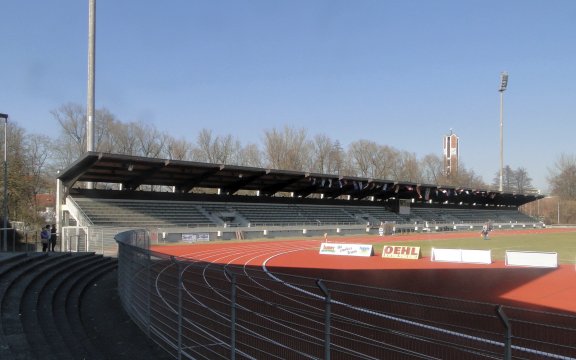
(91, 74)
(5, 227)
(503, 85)
(91, 79)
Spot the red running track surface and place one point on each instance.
(549, 289)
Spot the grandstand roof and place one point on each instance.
(133, 172)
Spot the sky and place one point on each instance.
(399, 73)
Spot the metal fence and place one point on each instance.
(97, 239)
(202, 310)
(100, 239)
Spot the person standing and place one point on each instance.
(45, 238)
(53, 236)
(485, 231)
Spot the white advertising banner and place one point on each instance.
(401, 252)
(195, 237)
(346, 249)
(531, 258)
(450, 255)
(462, 256)
(477, 256)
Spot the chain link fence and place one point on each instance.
(214, 311)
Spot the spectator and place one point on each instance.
(53, 237)
(45, 238)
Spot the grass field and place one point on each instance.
(563, 243)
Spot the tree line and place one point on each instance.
(287, 149)
(34, 160)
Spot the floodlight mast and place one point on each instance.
(91, 79)
(503, 86)
(91, 74)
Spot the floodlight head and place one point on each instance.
(4, 117)
(503, 81)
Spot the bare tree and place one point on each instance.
(432, 170)
(177, 149)
(513, 180)
(522, 180)
(369, 159)
(123, 138)
(27, 170)
(395, 165)
(562, 177)
(105, 122)
(384, 162)
(336, 159)
(205, 146)
(250, 155)
(508, 183)
(323, 148)
(467, 178)
(72, 142)
(215, 149)
(148, 139)
(37, 149)
(231, 151)
(362, 155)
(288, 149)
(37, 152)
(408, 167)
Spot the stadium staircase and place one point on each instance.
(42, 296)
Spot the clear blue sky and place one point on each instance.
(401, 73)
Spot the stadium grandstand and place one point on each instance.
(190, 201)
(140, 302)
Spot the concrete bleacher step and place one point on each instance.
(14, 284)
(7, 264)
(67, 304)
(40, 296)
(115, 212)
(37, 316)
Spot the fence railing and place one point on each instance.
(100, 239)
(203, 310)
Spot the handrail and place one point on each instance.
(77, 213)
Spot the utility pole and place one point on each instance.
(503, 85)
(91, 78)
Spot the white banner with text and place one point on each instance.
(401, 252)
(346, 249)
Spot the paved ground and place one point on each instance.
(111, 329)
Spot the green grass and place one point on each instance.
(562, 243)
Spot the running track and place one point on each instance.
(536, 288)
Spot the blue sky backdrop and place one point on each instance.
(400, 73)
